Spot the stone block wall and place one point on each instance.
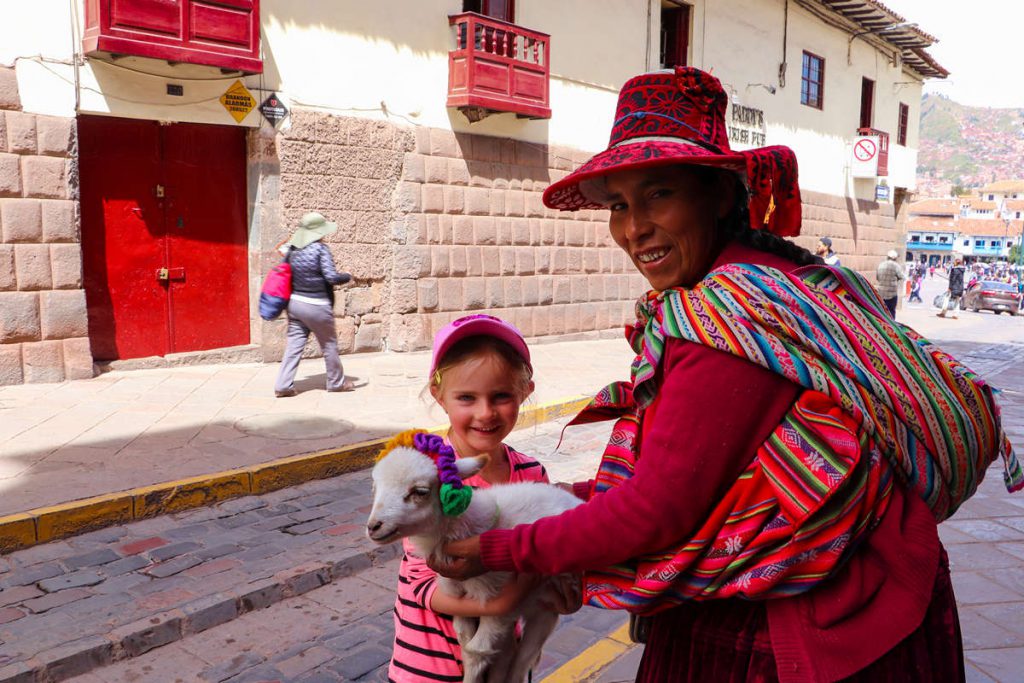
(435, 225)
(861, 231)
(43, 322)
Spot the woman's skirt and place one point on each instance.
(728, 642)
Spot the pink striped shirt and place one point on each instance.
(426, 648)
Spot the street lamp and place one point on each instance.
(884, 29)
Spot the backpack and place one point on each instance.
(276, 290)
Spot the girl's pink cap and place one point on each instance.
(473, 325)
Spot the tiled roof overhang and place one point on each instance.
(911, 41)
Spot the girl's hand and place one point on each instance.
(465, 560)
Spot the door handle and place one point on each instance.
(169, 274)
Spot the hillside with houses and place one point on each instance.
(967, 146)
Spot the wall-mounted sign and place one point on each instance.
(238, 101)
(747, 126)
(864, 161)
(273, 109)
(881, 193)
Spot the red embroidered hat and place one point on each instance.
(678, 117)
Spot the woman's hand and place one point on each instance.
(512, 593)
(564, 594)
(464, 562)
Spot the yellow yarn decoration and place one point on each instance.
(400, 440)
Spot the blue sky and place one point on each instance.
(979, 43)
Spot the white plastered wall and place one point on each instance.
(390, 59)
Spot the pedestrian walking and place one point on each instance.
(705, 511)
(311, 306)
(480, 375)
(825, 252)
(955, 290)
(889, 274)
(915, 288)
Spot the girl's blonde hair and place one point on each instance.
(478, 346)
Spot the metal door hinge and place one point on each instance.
(159, 190)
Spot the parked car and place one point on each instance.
(990, 295)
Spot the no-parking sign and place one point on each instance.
(864, 161)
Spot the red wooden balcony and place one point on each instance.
(222, 33)
(883, 148)
(498, 67)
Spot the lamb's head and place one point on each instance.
(407, 488)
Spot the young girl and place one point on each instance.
(480, 375)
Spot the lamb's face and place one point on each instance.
(405, 499)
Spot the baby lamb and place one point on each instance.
(407, 503)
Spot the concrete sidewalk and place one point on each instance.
(128, 429)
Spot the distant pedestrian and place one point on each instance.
(955, 291)
(824, 250)
(889, 275)
(915, 288)
(311, 307)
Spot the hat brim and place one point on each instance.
(565, 194)
(479, 326)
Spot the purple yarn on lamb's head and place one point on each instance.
(432, 444)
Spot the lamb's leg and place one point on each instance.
(501, 660)
(538, 625)
(493, 636)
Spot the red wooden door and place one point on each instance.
(163, 197)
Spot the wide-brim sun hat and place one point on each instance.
(677, 116)
(312, 227)
(478, 325)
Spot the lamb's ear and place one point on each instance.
(467, 467)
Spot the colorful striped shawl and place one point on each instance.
(879, 399)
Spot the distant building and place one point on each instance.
(976, 227)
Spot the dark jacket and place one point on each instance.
(956, 281)
(313, 272)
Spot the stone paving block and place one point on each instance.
(48, 602)
(76, 657)
(217, 551)
(237, 664)
(120, 584)
(168, 551)
(92, 559)
(272, 523)
(259, 553)
(9, 614)
(208, 612)
(236, 521)
(172, 567)
(264, 673)
(190, 531)
(141, 636)
(281, 509)
(19, 672)
(34, 574)
(308, 527)
(212, 567)
(79, 579)
(1001, 665)
(303, 662)
(125, 565)
(239, 505)
(258, 595)
(309, 515)
(142, 545)
(18, 594)
(361, 661)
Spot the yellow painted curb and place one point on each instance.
(78, 516)
(193, 492)
(17, 531)
(21, 530)
(594, 658)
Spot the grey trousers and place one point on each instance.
(304, 318)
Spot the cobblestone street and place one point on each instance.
(284, 586)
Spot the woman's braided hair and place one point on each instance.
(736, 226)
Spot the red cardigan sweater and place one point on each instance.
(712, 413)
